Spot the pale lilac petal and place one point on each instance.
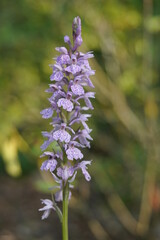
(45, 144)
(49, 165)
(69, 128)
(77, 89)
(66, 104)
(86, 174)
(65, 137)
(57, 76)
(57, 67)
(86, 55)
(57, 180)
(74, 153)
(85, 126)
(83, 167)
(46, 134)
(63, 59)
(61, 50)
(59, 196)
(47, 113)
(47, 153)
(88, 103)
(74, 176)
(83, 136)
(90, 84)
(69, 195)
(45, 214)
(47, 209)
(90, 95)
(88, 72)
(64, 172)
(75, 143)
(48, 203)
(73, 68)
(62, 135)
(82, 118)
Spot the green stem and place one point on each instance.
(65, 212)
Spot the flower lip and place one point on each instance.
(64, 172)
(66, 103)
(77, 88)
(73, 152)
(49, 165)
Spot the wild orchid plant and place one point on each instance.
(69, 104)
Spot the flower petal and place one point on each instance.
(57, 76)
(74, 153)
(73, 68)
(77, 89)
(62, 135)
(66, 104)
(49, 165)
(47, 113)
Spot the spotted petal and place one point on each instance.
(66, 104)
(73, 68)
(74, 153)
(62, 136)
(77, 89)
(47, 113)
(49, 165)
(57, 76)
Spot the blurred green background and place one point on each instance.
(123, 199)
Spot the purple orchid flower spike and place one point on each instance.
(67, 111)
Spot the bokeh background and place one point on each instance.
(123, 199)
